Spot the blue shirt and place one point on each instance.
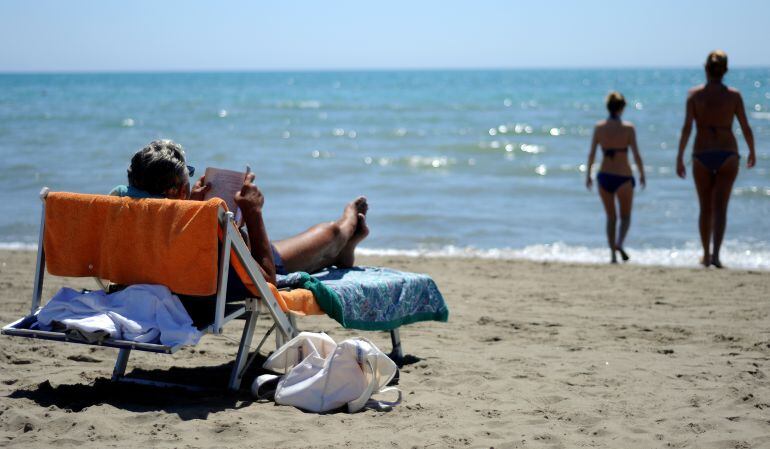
(132, 192)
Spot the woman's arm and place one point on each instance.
(740, 112)
(686, 130)
(591, 156)
(638, 158)
(250, 200)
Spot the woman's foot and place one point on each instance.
(705, 261)
(623, 254)
(716, 262)
(613, 257)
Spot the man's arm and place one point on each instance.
(199, 189)
(250, 200)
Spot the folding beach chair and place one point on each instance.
(187, 246)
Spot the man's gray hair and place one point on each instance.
(157, 167)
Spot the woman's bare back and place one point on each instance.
(713, 106)
(615, 134)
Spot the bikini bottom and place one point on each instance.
(713, 160)
(612, 183)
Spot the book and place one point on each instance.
(225, 184)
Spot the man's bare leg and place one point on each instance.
(321, 245)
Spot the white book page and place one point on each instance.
(224, 184)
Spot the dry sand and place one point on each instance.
(534, 355)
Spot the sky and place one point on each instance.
(192, 35)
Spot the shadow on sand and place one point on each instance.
(187, 404)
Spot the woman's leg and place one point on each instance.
(608, 200)
(326, 244)
(704, 185)
(626, 201)
(723, 187)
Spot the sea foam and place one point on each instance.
(734, 254)
(737, 255)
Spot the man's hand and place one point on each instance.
(199, 189)
(589, 182)
(250, 199)
(643, 181)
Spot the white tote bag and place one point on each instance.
(322, 375)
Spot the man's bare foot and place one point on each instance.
(349, 219)
(705, 261)
(346, 257)
(362, 230)
(716, 262)
(623, 254)
(362, 206)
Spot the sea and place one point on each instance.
(461, 163)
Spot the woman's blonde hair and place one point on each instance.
(615, 102)
(716, 64)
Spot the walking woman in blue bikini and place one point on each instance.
(615, 178)
(715, 152)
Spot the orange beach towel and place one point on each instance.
(133, 241)
(145, 241)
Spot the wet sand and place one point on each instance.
(534, 355)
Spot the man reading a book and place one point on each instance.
(159, 170)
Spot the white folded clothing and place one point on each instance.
(142, 313)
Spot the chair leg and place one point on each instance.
(243, 351)
(398, 353)
(120, 364)
(280, 339)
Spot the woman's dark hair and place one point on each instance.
(157, 167)
(615, 102)
(716, 64)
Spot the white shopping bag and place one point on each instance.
(322, 376)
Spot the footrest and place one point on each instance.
(21, 328)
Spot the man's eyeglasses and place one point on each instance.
(190, 170)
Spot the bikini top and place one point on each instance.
(610, 152)
(714, 128)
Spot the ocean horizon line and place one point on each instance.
(362, 70)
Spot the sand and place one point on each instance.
(534, 355)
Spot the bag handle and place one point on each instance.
(271, 380)
(360, 402)
(373, 387)
(381, 404)
(376, 360)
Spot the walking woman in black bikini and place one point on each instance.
(615, 178)
(715, 152)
